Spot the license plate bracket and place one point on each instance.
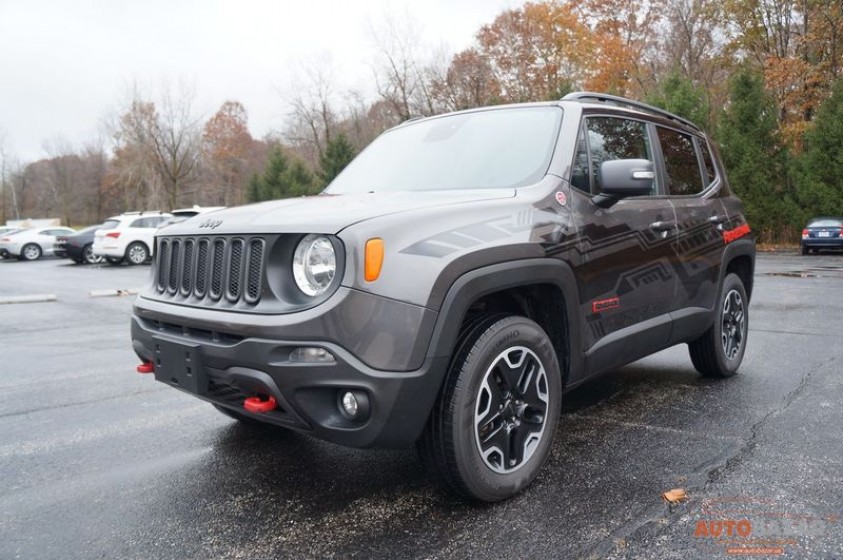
(180, 365)
(824, 234)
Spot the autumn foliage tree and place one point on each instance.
(226, 147)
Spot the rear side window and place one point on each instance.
(680, 161)
(607, 139)
(148, 222)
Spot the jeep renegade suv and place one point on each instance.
(455, 279)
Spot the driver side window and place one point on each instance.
(606, 139)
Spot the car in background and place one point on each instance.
(6, 232)
(34, 243)
(79, 247)
(182, 214)
(129, 236)
(822, 233)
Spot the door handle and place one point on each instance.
(717, 220)
(662, 226)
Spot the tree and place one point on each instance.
(755, 159)
(680, 96)
(160, 148)
(282, 178)
(338, 154)
(226, 144)
(536, 52)
(820, 167)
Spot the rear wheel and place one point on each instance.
(719, 352)
(88, 255)
(493, 423)
(804, 250)
(30, 252)
(137, 253)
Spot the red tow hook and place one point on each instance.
(146, 367)
(256, 404)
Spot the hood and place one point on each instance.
(325, 213)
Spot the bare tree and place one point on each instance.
(313, 117)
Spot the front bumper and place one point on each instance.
(239, 363)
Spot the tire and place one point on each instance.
(88, 256)
(481, 453)
(30, 252)
(242, 418)
(804, 250)
(114, 260)
(719, 354)
(137, 253)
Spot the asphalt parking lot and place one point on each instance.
(97, 461)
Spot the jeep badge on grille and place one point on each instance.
(209, 223)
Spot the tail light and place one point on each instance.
(841, 233)
(804, 233)
(5, 240)
(113, 234)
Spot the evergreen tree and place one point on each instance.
(755, 160)
(338, 153)
(819, 170)
(282, 178)
(254, 189)
(680, 96)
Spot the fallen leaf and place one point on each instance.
(675, 496)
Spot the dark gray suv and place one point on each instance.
(455, 280)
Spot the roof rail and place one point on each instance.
(624, 102)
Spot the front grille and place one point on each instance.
(211, 270)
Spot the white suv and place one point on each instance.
(129, 236)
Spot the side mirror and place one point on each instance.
(622, 178)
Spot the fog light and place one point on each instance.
(353, 404)
(312, 355)
(349, 404)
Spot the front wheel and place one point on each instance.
(493, 423)
(719, 352)
(30, 252)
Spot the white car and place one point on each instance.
(31, 244)
(129, 236)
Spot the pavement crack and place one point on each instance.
(660, 516)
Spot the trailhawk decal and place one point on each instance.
(605, 304)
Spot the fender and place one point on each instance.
(494, 278)
(740, 247)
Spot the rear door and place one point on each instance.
(692, 182)
(625, 280)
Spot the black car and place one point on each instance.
(459, 276)
(78, 246)
(822, 233)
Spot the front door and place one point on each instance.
(626, 280)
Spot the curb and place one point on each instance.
(36, 298)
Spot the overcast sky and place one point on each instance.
(65, 65)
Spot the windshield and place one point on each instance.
(495, 148)
(110, 224)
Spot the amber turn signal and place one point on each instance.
(374, 259)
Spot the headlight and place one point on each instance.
(314, 264)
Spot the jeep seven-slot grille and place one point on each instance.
(217, 269)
